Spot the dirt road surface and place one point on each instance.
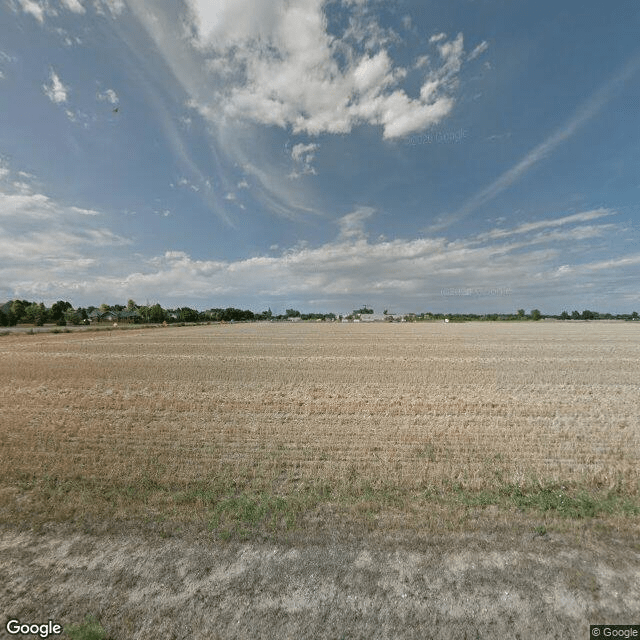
(470, 585)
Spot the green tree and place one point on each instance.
(58, 309)
(35, 314)
(189, 315)
(17, 309)
(156, 313)
(535, 314)
(520, 313)
(564, 315)
(292, 313)
(131, 305)
(73, 316)
(575, 315)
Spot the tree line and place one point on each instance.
(63, 313)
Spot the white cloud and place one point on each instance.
(481, 48)
(55, 254)
(33, 8)
(352, 225)
(115, 7)
(84, 212)
(109, 96)
(351, 266)
(421, 61)
(55, 91)
(45, 241)
(303, 156)
(244, 64)
(438, 37)
(527, 227)
(286, 73)
(73, 5)
(183, 182)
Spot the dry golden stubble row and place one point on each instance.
(393, 458)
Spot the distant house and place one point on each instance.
(372, 317)
(126, 317)
(96, 316)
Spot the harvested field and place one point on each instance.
(293, 434)
(416, 406)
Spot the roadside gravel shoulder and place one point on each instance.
(474, 585)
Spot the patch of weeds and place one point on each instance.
(245, 514)
(574, 505)
(90, 629)
(541, 530)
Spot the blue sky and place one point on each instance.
(471, 155)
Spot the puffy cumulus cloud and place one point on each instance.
(288, 63)
(55, 90)
(282, 67)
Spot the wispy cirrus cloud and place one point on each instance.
(477, 51)
(44, 240)
(580, 117)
